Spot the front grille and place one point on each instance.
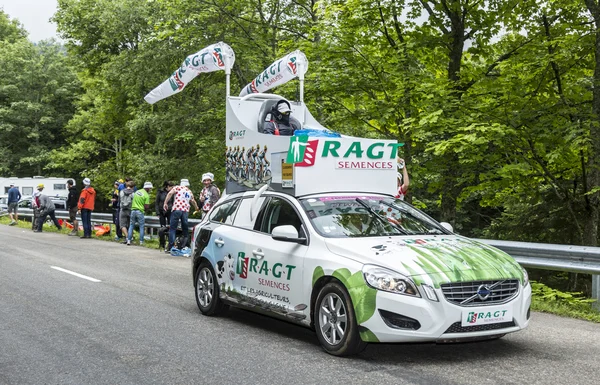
(457, 328)
(466, 293)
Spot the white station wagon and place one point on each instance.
(357, 268)
(310, 231)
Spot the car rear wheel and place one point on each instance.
(335, 321)
(207, 291)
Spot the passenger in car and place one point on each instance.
(281, 122)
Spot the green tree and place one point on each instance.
(37, 89)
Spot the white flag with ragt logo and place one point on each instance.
(280, 72)
(212, 58)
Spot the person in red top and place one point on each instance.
(87, 198)
(181, 207)
(403, 180)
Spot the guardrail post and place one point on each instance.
(596, 291)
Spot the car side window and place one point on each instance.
(225, 213)
(280, 212)
(242, 218)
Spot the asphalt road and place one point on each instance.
(140, 325)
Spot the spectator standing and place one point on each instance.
(403, 180)
(87, 199)
(161, 196)
(181, 207)
(125, 202)
(210, 193)
(141, 202)
(35, 205)
(115, 209)
(14, 196)
(72, 199)
(47, 208)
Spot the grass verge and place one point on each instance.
(24, 224)
(548, 300)
(584, 312)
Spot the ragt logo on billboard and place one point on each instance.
(292, 67)
(196, 62)
(279, 72)
(237, 134)
(302, 152)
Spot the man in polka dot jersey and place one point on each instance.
(181, 207)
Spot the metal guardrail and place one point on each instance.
(151, 222)
(576, 259)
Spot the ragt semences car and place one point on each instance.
(356, 267)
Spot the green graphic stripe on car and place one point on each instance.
(367, 335)
(451, 264)
(318, 273)
(416, 276)
(363, 296)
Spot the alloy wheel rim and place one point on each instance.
(333, 317)
(205, 287)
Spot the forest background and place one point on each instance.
(497, 101)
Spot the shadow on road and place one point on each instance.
(419, 353)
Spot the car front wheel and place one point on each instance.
(207, 291)
(335, 321)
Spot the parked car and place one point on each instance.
(3, 203)
(60, 203)
(357, 268)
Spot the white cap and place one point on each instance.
(87, 181)
(283, 107)
(148, 185)
(184, 182)
(12, 184)
(208, 175)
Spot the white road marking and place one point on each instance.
(75, 274)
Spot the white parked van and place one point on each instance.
(53, 186)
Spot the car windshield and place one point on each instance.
(367, 216)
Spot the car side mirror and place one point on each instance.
(287, 233)
(447, 226)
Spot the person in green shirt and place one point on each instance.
(140, 203)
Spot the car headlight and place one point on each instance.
(525, 277)
(388, 280)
